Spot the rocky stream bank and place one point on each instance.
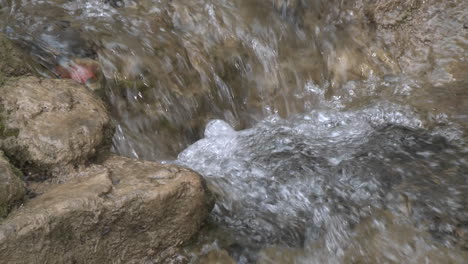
(64, 198)
(341, 134)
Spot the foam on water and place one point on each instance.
(363, 105)
(315, 176)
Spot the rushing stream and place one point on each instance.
(329, 131)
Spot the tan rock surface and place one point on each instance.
(49, 125)
(426, 37)
(123, 211)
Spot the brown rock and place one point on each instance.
(12, 60)
(392, 13)
(48, 125)
(11, 186)
(271, 255)
(385, 238)
(381, 238)
(123, 211)
(216, 257)
(426, 37)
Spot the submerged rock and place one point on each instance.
(124, 210)
(12, 61)
(382, 238)
(385, 238)
(53, 42)
(11, 186)
(216, 257)
(51, 125)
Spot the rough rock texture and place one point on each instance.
(426, 37)
(12, 61)
(11, 186)
(429, 41)
(49, 125)
(123, 211)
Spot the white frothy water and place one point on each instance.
(313, 177)
(323, 183)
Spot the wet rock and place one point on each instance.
(216, 257)
(85, 71)
(391, 13)
(12, 60)
(124, 211)
(424, 36)
(271, 255)
(382, 238)
(50, 126)
(388, 239)
(56, 40)
(11, 186)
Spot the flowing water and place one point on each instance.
(329, 131)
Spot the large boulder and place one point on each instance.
(123, 211)
(11, 186)
(49, 126)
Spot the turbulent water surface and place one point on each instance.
(329, 131)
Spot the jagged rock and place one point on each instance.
(11, 186)
(49, 125)
(123, 211)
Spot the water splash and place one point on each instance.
(316, 176)
(350, 115)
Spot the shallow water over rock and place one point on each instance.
(338, 124)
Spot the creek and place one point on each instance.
(329, 131)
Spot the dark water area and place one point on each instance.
(329, 131)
